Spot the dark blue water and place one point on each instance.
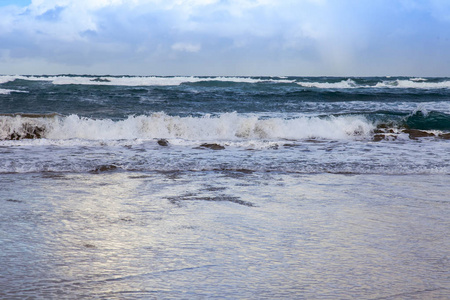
(91, 97)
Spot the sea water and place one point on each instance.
(122, 187)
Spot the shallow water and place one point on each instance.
(224, 234)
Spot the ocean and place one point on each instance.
(126, 187)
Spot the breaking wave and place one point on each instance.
(136, 80)
(319, 83)
(344, 84)
(227, 126)
(424, 120)
(413, 83)
(8, 91)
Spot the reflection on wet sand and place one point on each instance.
(204, 235)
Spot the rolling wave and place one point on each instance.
(223, 127)
(310, 82)
(227, 126)
(8, 91)
(135, 80)
(425, 120)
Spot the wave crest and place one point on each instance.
(227, 126)
(314, 83)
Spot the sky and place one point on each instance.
(226, 37)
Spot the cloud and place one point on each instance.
(186, 47)
(227, 37)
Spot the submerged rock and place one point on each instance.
(14, 200)
(378, 137)
(98, 79)
(445, 136)
(415, 133)
(212, 146)
(384, 136)
(163, 142)
(104, 168)
(27, 131)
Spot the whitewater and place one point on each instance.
(193, 187)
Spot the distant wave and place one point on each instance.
(137, 80)
(228, 126)
(8, 91)
(344, 84)
(312, 83)
(414, 83)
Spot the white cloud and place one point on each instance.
(186, 47)
(275, 36)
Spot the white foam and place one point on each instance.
(7, 78)
(413, 84)
(8, 91)
(344, 84)
(123, 81)
(136, 80)
(228, 126)
(416, 83)
(5, 92)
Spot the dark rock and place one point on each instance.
(105, 168)
(14, 200)
(289, 145)
(378, 137)
(212, 146)
(163, 142)
(98, 79)
(28, 132)
(274, 147)
(245, 171)
(415, 133)
(377, 131)
(13, 136)
(33, 132)
(387, 137)
(445, 136)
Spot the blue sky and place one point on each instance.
(226, 37)
(15, 2)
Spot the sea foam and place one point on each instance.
(227, 126)
(136, 80)
(382, 82)
(8, 91)
(414, 84)
(344, 84)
